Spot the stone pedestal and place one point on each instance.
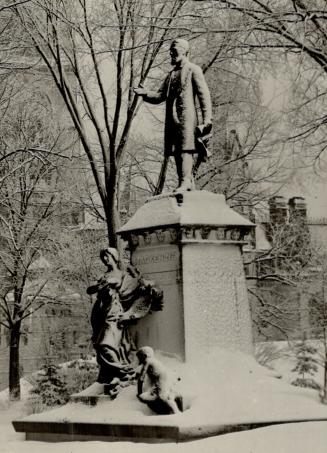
(190, 245)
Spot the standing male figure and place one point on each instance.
(180, 89)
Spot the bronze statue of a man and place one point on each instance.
(183, 130)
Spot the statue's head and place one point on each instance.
(144, 353)
(109, 257)
(179, 50)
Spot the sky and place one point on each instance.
(305, 183)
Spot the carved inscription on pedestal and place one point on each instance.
(156, 259)
(160, 262)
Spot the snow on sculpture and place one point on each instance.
(161, 394)
(123, 296)
(185, 134)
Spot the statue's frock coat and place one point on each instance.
(180, 90)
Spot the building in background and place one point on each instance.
(284, 271)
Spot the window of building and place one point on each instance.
(74, 337)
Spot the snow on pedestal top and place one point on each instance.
(187, 208)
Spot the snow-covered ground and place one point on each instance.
(233, 386)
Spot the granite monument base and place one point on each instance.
(101, 432)
(190, 244)
(250, 398)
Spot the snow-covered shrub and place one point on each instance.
(267, 352)
(50, 389)
(306, 365)
(80, 374)
(54, 384)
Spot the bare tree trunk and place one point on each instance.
(14, 369)
(111, 208)
(111, 217)
(324, 389)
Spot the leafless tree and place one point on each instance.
(293, 34)
(96, 53)
(281, 283)
(29, 200)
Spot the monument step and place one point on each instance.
(51, 431)
(226, 392)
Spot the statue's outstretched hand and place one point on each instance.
(140, 91)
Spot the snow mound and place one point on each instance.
(223, 386)
(220, 388)
(25, 389)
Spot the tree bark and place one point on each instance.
(111, 211)
(14, 369)
(111, 216)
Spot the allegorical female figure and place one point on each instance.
(123, 296)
